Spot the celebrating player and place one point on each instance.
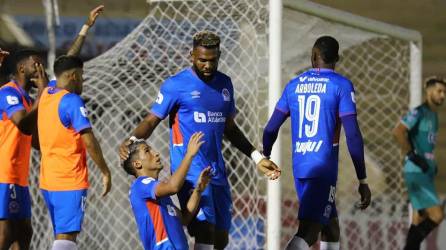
(159, 221)
(201, 98)
(65, 135)
(416, 134)
(18, 123)
(316, 100)
(76, 47)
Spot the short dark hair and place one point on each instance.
(133, 150)
(206, 39)
(64, 63)
(21, 55)
(329, 48)
(431, 81)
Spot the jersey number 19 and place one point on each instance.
(309, 110)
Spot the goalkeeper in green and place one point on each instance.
(416, 134)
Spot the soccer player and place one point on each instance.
(18, 122)
(416, 134)
(159, 221)
(317, 100)
(65, 135)
(201, 98)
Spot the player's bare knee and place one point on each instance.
(331, 232)
(5, 235)
(221, 239)
(436, 214)
(309, 231)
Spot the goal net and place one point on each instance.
(121, 84)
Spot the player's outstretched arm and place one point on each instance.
(238, 139)
(176, 181)
(26, 122)
(76, 47)
(192, 204)
(95, 152)
(401, 134)
(142, 131)
(355, 146)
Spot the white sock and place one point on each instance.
(297, 243)
(329, 245)
(201, 246)
(64, 245)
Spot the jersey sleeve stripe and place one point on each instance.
(177, 136)
(283, 111)
(347, 113)
(157, 114)
(157, 220)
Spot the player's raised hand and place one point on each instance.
(40, 79)
(3, 55)
(106, 183)
(195, 143)
(94, 14)
(124, 149)
(269, 169)
(203, 179)
(366, 196)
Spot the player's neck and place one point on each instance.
(149, 173)
(206, 80)
(21, 82)
(431, 105)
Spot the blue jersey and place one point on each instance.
(315, 100)
(158, 224)
(72, 111)
(192, 106)
(11, 100)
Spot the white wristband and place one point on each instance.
(363, 181)
(257, 156)
(84, 30)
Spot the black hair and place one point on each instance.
(133, 150)
(206, 39)
(64, 63)
(20, 56)
(329, 48)
(431, 81)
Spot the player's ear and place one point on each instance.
(137, 164)
(191, 55)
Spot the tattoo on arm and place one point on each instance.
(76, 47)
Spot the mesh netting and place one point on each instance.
(122, 83)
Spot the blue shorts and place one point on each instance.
(316, 199)
(67, 209)
(421, 190)
(215, 205)
(15, 202)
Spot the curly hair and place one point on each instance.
(206, 39)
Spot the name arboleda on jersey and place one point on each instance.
(309, 111)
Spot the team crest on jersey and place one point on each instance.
(195, 94)
(226, 95)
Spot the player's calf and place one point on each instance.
(309, 231)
